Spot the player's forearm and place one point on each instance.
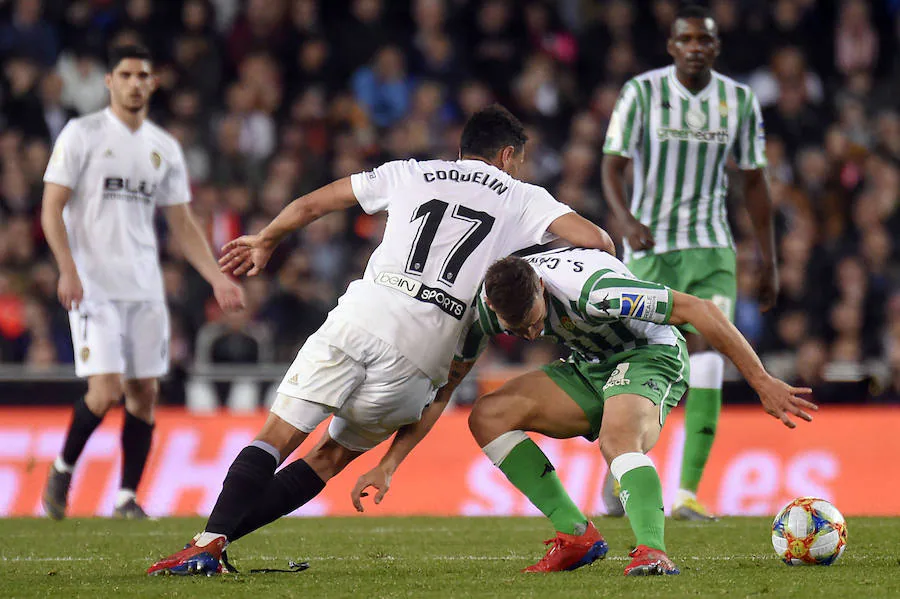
(410, 435)
(613, 179)
(715, 327)
(193, 244)
(308, 208)
(759, 205)
(55, 233)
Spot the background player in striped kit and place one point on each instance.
(677, 126)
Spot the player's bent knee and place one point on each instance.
(614, 443)
(491, 416)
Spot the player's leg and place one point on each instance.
(141, 397)
(631, 427)
(321, 370)
(531, 402)
(145, 339)
(498, 421)
(713, 277)
(297, 484)
(646, 384)
(392, 392)
(252, 470)
(96, 337)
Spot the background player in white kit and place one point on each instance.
(108, 172)
(384, 351)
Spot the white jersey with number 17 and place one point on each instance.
(447, 223)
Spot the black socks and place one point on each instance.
(293, 486)
(136, 438)
(249, 474)
(84, 422)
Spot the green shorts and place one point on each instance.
(708, 273)
(658, 372)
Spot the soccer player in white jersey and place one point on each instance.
(107, 174)
(678, 126)
(385, 350)
(627, 370)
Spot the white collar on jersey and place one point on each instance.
(702, 94)
(112, 116)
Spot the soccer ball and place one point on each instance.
(809, 531)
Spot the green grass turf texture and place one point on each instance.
(431, 557)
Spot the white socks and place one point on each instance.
(205, 538)
(628, 461)
(499, 448)
(61, 466)
(684, 495)
(707, 370)
(124, 496)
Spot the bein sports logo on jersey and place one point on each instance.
(423, 293)
(633, 304)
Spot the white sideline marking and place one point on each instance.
(433, 558)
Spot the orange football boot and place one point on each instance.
(572, 551)
(193, 560)
(646, 561)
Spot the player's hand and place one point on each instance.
(781, 400)
(229, 294)
(377, 478)
(639, 235)
(69, 290)
(247, 254)
(768, 287)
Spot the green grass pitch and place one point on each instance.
(431, 557)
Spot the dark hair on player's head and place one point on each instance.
(117, 54)
(693, 11)
(511, 285)
(490, 130)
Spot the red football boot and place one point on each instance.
(570, 551)
(646, 561)
(193, 559)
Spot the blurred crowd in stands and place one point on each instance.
(272, 98)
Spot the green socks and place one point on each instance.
(700, 421)
(642, 497)
(529, 470)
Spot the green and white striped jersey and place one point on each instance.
(595, 306)
(680, 142)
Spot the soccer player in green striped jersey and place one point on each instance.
(627, 370)
(678, 126)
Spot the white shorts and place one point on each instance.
(371, 388)
(128, 338)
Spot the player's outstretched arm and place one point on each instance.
(778, 398)
(580, 232)
(759, 205)
(612, 173)
(407, 438)
(55, 199)
(249, 254)
(192, 241)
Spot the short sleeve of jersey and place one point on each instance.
(541, 209)
(750, 146)
(373, 189)
(175, 188)
(612, 295)
(624, 131)
(67, 160)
